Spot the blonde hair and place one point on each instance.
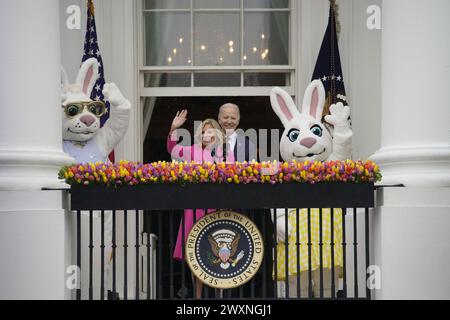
(217, 128)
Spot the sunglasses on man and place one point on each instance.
(97, 108)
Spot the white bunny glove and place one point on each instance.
(115, 128)
(115, 97)
(339, 116)
(342, 133)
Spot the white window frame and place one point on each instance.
(193, 91)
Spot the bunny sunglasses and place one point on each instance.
(97, 108)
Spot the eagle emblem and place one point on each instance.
(224, 246)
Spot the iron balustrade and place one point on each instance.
(162, 207)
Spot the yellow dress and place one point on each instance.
(315, 237)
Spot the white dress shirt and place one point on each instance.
(231, 140)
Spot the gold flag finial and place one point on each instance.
(91, 7)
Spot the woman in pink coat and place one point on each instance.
(208, 147)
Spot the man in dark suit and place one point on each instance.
(229, 119)
(245, 150)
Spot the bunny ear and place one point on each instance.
(283, 105)
(88, 75)
(314, 100)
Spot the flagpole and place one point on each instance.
(335, 7)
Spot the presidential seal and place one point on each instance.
(224, 250)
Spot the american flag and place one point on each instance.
(92, 50)
(328, 67)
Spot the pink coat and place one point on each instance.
(197, 154)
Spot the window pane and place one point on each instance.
(269, 79)
(217, 4)
(154, 80)
(167, 39)
(217, 79)
(217, 39)
(277, 4)
(167, 4)
(266, 38)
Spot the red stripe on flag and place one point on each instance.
(112, 157)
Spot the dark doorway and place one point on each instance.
(256, 113)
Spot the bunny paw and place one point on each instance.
(339, 115)
(113, 94)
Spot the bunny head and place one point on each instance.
(305, 136)
(78, 122)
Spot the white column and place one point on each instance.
(30, 122)
(411, 243)
(410, 225)
(415, 93)
(35, 230)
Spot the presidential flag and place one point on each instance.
(91, 50)
(328, 67)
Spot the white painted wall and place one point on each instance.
(115, 23)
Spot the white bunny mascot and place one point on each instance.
(307, 138)
(83, 139)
